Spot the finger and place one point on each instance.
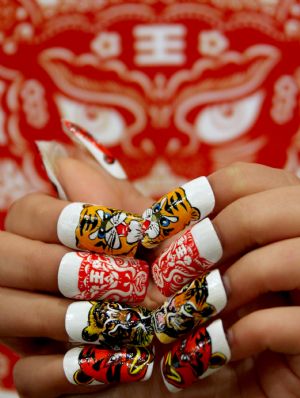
(43, 376)
(242, 179)
(275, 329)
(272, 268)
(79, 275)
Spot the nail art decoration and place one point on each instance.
(102, 155)
(99, 229)
(110, 323)
(193, 305)
(92, 365)
(177, 209)
(91, 276)
(199, 355)
(189, 257)
(50, 151)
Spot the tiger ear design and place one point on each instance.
(208, 310)
(217, 360)
(196, 215)
(81, 378)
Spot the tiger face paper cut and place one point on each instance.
(109, 323)
(202, 353)
(177, 209)
(101, 365)
(192, 305)
(99, 229)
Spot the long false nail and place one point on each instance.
(99, 229)
(193, 305)
(109, 323)
(90, 276)
(199, 355)
(189, 203)
(101, 154)
(94, 365)
(50, 151)
(189, 257)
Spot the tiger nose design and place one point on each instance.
(187, 204)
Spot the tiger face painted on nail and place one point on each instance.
(104, 230)
(114, 324)
(169, 215)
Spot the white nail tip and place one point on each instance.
(77, 319)
(67, 222)
(51, 151)
(207, 240)
(70, 363)
(68, 274)
(216, 291)
(200, 194)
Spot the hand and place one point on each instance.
(32, 373)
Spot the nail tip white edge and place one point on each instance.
(70, 363)
(50, 151)
(207, 240)
(76, 320)
(172, 389)
(149, 371)
(216, 291)
(200, 194)
(68, 274)
(67, 222)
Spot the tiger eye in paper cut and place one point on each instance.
(117, 324)
(103, 365)
(104, 230)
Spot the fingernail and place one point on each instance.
(90, 276)
(99, 365)
(193, 305)
(110, 323)
(199, 355)
(99, 229)
(50, 151)
(187, 258)
(189, 203)
(101, 154)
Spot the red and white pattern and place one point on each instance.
(164, 84)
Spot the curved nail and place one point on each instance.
(199, 355)
(110, 323)
(90, 276)
(189, 203)
(99, 229)
(189, 257)
(193, 305)
(92, 365)
(101, 154)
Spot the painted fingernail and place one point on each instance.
(187, 258)
(50, 151)
(199, 355)
(101, 154)
(90, 276)
(92, 365)
(110, 323)
(177, 209)
(99, 229)
(193, 305)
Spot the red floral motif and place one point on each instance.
(178, 265)
(112, 278)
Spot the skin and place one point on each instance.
(256, 217)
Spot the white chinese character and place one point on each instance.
(159, 44)
(96, 277)
(181, 251)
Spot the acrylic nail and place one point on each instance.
(99, 229)
(199, 355)
(50, 152)
(101, 154)
(189, 257)
(91, 276)
(187, 204)
(94, 365)
(193, 305)
(109, 323)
